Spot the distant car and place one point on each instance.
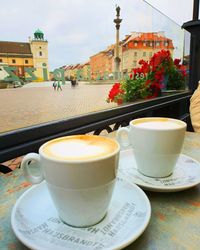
(16, 84)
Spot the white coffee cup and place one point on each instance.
(80, 172)
(156, 143)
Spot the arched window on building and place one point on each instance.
(40, 53)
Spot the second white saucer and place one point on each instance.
(186, 174)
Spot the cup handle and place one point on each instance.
(122, 142)
(35, 179)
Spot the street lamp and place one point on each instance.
(117, 22)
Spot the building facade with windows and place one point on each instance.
(17, 55)
(33, 54)
(102, 63)
(140, 45)
(136, 46)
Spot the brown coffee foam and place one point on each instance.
(106, 145)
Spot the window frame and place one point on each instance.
(22, 141)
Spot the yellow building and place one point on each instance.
(86, 71)
(16, 54)
(39, 49)
(27, 55)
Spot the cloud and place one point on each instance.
(77, 29)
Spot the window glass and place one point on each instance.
(74, 43)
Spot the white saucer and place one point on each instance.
(36, 223)
(186, 174)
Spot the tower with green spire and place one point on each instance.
(38, 35)
(39, 48)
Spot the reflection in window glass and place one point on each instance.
(75, 43)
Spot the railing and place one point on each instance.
(22, 141)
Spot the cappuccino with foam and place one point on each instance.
(156, 142)
(79, 147)
(157, 123)
(80, 173)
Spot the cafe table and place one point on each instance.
(174, 222)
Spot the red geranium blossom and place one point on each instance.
(115, 94)
(159, 57)
(176, 62)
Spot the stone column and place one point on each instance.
(117, 60)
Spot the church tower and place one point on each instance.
(39, 49)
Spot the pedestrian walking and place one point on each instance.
(59, 86)
(54, 85)
(74, 82)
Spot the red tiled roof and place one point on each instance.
(148, 37)
(75, 66)
(15, 47)
(87, 63)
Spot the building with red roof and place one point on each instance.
(140, 45)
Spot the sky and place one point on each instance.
(179, 11)
(78, 29)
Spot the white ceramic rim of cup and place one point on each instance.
(80, 160)
(182, 123)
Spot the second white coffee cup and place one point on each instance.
(156, 142)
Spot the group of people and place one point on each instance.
(73, 81)
(57, 85)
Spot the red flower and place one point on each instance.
(158, 58)
(149, 78)
(119, 101)
(142, 61)
(155, 90)
(182, 68)
(136, 72)
(145, 66)
(114, 92)
(148, 82)
(176, 62)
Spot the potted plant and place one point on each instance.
(159, 74)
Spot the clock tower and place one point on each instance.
(39, 49)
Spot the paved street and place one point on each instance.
(30, 105)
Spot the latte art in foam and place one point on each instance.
(83, 147)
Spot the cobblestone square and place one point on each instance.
(27, 106)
